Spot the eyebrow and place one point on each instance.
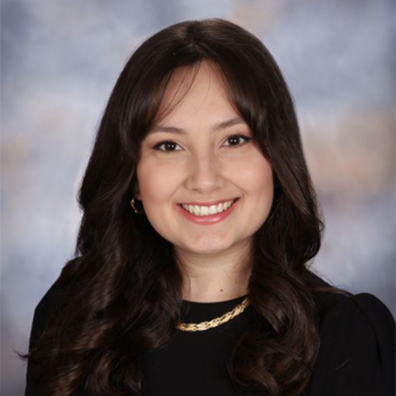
(216, 128)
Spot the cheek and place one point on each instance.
(264, 181)
(156, 184)
(255, 177)
(259, 189)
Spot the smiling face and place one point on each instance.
(204, 183)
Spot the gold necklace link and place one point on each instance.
(217, 321)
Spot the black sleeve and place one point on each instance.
(357, 352)
(42, 313)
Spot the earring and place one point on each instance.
(133, 204)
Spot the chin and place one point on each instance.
(207, 247)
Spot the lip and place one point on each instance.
(210, 219)
(209, 203)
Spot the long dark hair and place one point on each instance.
(121, 293)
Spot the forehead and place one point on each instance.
(196, 89)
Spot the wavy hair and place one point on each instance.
(121, 294)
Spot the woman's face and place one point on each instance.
(205, 185)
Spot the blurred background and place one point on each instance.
(59, 62)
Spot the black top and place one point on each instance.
(196, 361)
(356, 356)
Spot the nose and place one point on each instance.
(204, 174)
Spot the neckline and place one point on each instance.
(214, 303)
(197, 312)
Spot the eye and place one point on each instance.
(167, 146)
(237, 140)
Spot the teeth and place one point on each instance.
(207, 210)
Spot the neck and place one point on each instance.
(214, 278)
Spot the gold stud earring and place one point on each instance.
(133, 204)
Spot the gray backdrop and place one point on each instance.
(59, 61)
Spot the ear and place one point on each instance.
(136, 192)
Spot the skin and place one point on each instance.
(199, 163)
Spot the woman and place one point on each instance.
(199, 219)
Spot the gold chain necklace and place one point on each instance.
(217, 321)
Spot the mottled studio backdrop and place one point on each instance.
(59, 61)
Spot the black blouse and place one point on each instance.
(356, 356)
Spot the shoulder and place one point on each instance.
(50, 303)
(357, 345)
(360, 325)
(342, 312)
(356, 317)
(364, 310)
(44, 310)
(50, 299)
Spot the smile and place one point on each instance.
(208, 210)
